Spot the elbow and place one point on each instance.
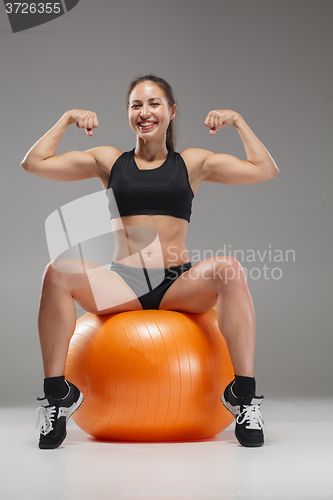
(271, 169)
(27, 161)
(24, 162)
(267, 170)
(26, 166)
(270, 174)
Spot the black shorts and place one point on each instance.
(149, 285)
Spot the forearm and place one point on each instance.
(255, 151)
(47, 145)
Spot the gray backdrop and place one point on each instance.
(269, 60)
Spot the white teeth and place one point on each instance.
(146, 124)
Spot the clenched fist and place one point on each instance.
(83, 119)
(220, 118)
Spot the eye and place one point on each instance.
(135, 106)
(156, 103)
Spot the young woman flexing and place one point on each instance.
(149, 188)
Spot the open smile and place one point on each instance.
(146, 125)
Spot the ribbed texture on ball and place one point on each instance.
(150, 375)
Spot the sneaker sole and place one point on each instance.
(50, 446)
(248, 445)
(75, 407)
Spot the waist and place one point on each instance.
(143, 241)
(152, 260)
(181, 213)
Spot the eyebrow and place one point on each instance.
(151, 99)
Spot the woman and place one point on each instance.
(150, 191)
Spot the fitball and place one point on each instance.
(150, 375)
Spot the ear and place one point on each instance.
(173, 112)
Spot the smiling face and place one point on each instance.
(149, 113)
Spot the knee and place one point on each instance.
(228, 270)
(51, 277)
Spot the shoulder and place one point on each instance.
(195, 158)
(105, 157)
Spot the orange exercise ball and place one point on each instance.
(150, 375)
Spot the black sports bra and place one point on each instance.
(164, 190)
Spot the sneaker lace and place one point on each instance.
(45, 419)
(252, 415)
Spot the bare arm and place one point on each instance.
(74, 165)
(227, 169)
(255, 151)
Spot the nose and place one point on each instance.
(145, 112)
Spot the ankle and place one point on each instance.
(56, 387)
(244, 386)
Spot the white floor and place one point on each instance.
(295, 462)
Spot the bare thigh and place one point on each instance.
(197, 289)
(194, 291)
(94, 288)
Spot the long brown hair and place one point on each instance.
(166, 87)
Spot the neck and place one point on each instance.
(150, 151)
